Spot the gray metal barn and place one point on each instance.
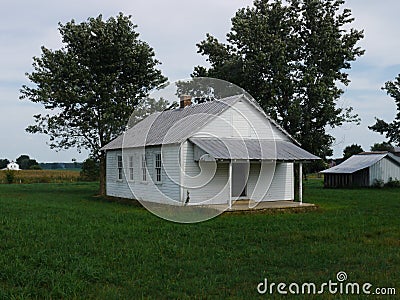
(363, 170)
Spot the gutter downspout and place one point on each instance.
(230, 184)
(301, 183)
(181, 168)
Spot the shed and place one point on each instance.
(212, 153)
(363, 170)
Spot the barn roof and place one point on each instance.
(155, 129)
(360, 161)
(231, 148)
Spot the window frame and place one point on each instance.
(143, 167)
(131, 172)
(158, 168)
(119, 168)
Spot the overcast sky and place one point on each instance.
(173, 28)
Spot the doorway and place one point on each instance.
(240, 172)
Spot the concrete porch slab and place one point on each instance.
(246, 206)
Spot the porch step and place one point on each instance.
(243, 202)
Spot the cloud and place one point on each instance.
(380, 22)
(16, 116)
(368, 104)
(173, 28)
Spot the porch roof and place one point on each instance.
(252, 149)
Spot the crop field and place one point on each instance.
(40, 176)
(60, 241)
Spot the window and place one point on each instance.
(119, 166)
(144, 175)
(130, 167)
(157, 167)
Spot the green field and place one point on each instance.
(58, 241)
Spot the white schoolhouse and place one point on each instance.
(215, 152)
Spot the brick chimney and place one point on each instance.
(186, 100)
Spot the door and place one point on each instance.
(240, 172)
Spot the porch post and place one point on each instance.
(230, 184)
(301, 183)
(181, 174)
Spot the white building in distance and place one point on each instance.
(13, 166)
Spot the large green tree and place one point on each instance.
(146, 107)
(291, 57)
(391, 130)
(351, 150)
(91, 85)
(26, 163)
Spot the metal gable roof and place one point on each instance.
(359, 162)
(252, 149)
(155, 129)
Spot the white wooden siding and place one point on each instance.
(272, 184)
(241, 120)
(204, 191)
(214, 191)
(279, 179)
(383, 170)
(115, 187)
(165, 192)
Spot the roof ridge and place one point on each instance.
(358, 162)
(196, 105)
(155, 128)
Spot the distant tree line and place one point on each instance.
(27, 163)
(89, 168)
(60, 165)
(24, 162)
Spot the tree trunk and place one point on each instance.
(102, 174)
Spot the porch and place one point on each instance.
(272, 182)
(265, 206)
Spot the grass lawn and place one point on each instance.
(58, 241)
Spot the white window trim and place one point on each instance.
(143, 168)
(120, 170)
(131, 168)
(155, 168)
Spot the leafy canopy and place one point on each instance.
(352, 150)
(91, 85)
(90, 170)
(391, 130)
(26, 163)
(145, 107)
(290, 56)
(384, 146)
(3, 163)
